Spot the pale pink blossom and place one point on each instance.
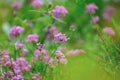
(109, 31)
(37, 3)
(32, 38)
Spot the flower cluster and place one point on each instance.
(109, 31)
(15, 31)
(59, 11)
(37, 3)
(60, 38)
(91, 9)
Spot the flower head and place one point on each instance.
(19, 45)
(15, 31)
(32, 38)
(90, 8)
(17, 5)
(109, 31)
(59, 11)
(36, 77)
(37, 54)
(60, 38)
(37, 3)
(108, 12)
(95, 19)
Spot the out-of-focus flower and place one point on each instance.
(60, 38)
(60, 57)
(59, 11)
(51, 31)
(15, 31)
(40, 46)
(24, 52)
(36, 77)
(5, 52)
(59, 54)
(17, 77)
(46, 58)
(91, 8)
(17, 5)
(19, 45)
(37, 3)
(63, 60)
(21, 62)
(109, 31)
(75, 52)
(32, 38)
(94, 19)
(44, 52)
(37, 54)
(29, 24)
(108, 12)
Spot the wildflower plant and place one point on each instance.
(27, 56)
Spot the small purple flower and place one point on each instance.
(5, 52)
(37, 3)
(17, 5)
(108, 12)
(36, 77)
(15, 31)
(24, 52)
(46, 58)
(109, 31)
(29, 24)
(60, 38)
(95, 19)
(32, 38)
(51, 31)
(19, 45)
(59, 11)
(90, 8)
(17, 77)
(37, 54)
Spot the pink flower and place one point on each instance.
(60, 38)
(17, 77)
(59, 54)
(17, 5)
(109, 31)
(108, 12)
(37, 54)
(36, 77)
(51, 31)
(44, 52)
(63, 60)
(15, 31)
(75, 52)
(37, 3)
(19, 45)
(5, 52)
(60, 57)
(32, 38)
(24, 52)
(95, 19)
(40, 46)
(46, 58)
(29, 24)
(90, 8)
(21, 62)
(59, 11)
